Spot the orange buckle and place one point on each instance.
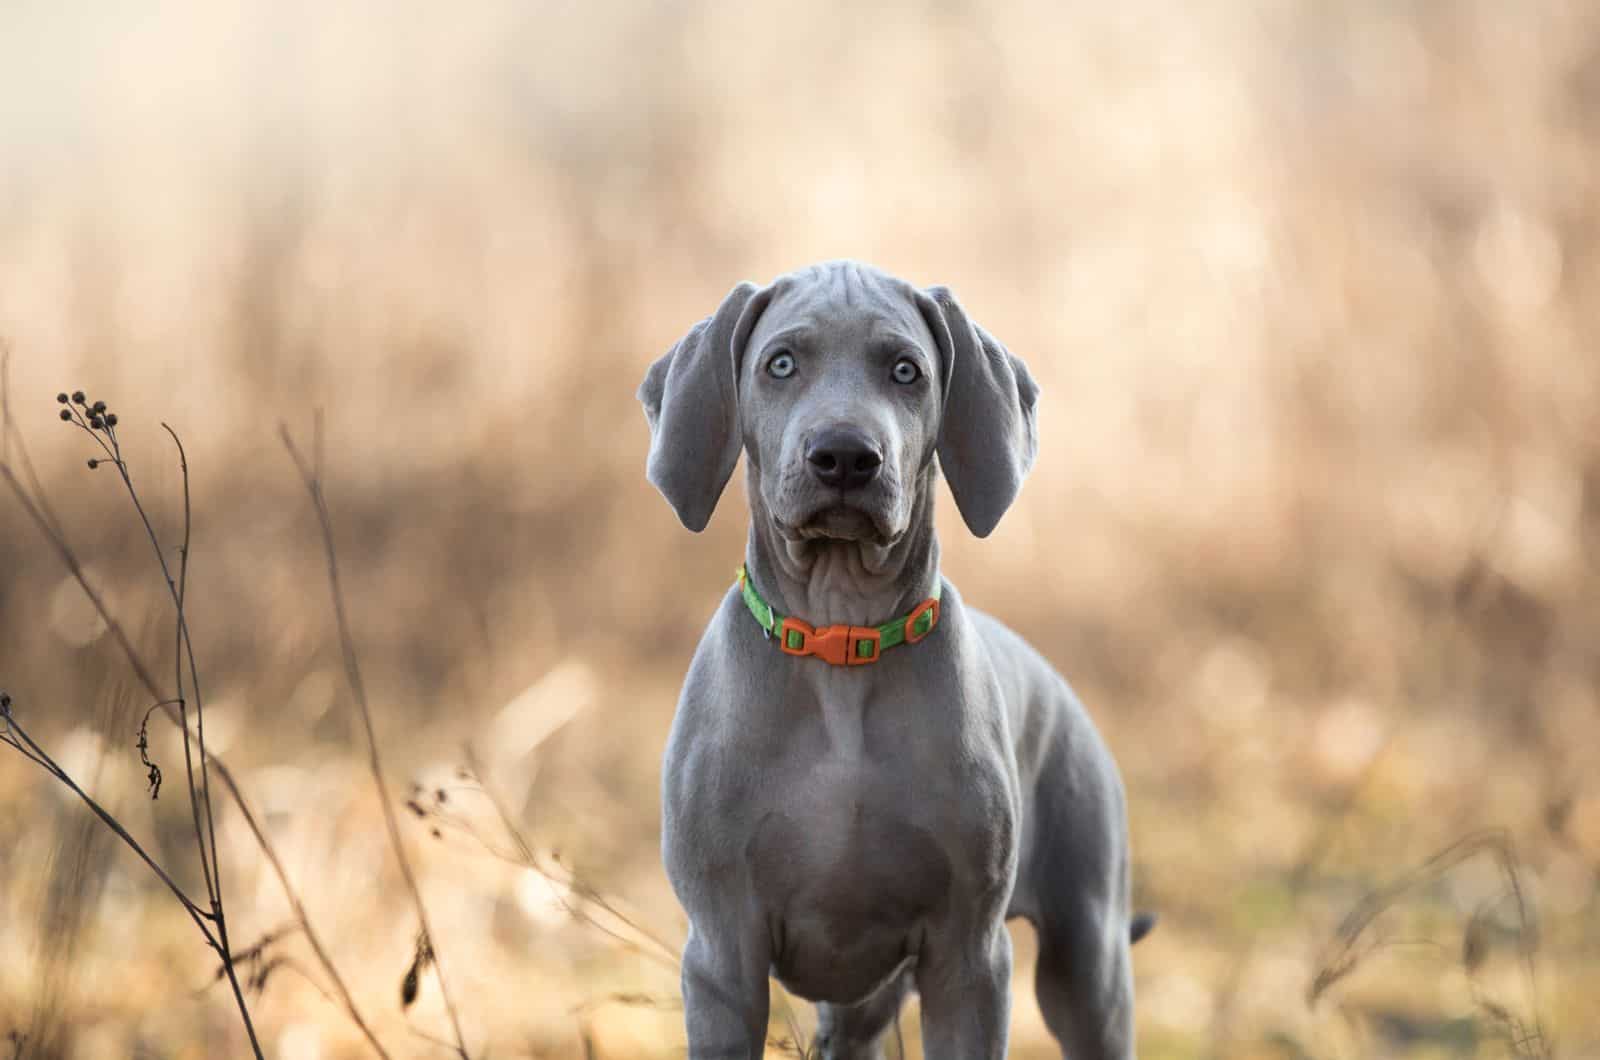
(839, 645)
(930, 604)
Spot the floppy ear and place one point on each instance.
(989, 433)
(690, 398)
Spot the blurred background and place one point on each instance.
(1315, 529)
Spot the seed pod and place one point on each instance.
(408, 987)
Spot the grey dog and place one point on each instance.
(860, 831)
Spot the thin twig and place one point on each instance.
(35, 504)
(1353, 944)
(305, 973)
(258, 949)
(663, 954)
(527, 857)
(298, 907)
(17, 737)
(313, 483)
(14, 732)
(1316, 846)
(185, 642)
(199, 794)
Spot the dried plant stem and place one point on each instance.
(524, 854)
(310, 478)
(101, 429)
(298, 908)
(35, 505)
(199, 794)
(14, 734)
(659, 951)
(1355, 941)
(186, 644)
(1317, 845)
(205, 828)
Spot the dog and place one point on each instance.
(852, 805)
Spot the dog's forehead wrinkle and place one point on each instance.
(844, 303)
(853, 333)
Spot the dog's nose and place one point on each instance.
(843, 459)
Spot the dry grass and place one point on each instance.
(1315, 529)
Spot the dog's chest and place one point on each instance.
(843, 852)
(847, 874)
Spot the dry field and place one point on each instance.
(1312, 293)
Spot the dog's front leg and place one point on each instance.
(725, 992)
(966, 997)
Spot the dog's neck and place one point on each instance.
(824, 582)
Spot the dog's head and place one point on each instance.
(841, 383)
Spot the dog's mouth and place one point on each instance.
(837, 522)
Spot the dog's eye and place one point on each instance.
(781, 366)
(906, 371)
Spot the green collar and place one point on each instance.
(840, 645)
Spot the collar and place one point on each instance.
(840, 645)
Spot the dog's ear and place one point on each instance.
(690, 398)
(989, 433)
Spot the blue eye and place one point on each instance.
(906, 371)
(781, 366)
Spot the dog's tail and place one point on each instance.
(1140, 926)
